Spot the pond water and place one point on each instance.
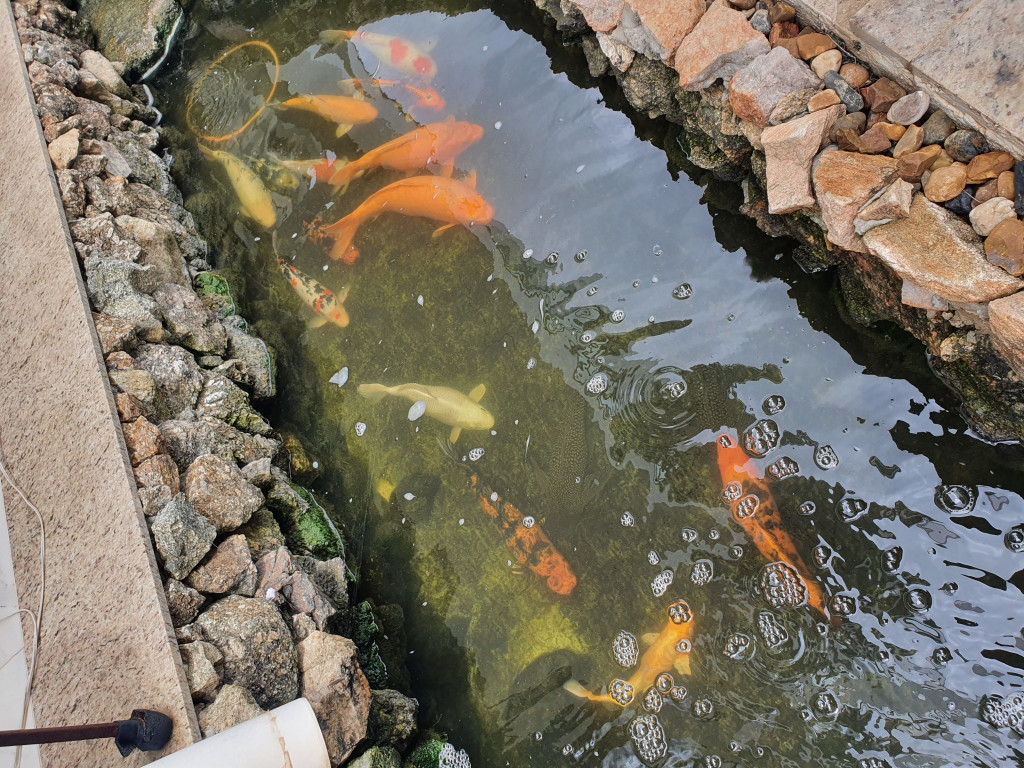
(633, 335)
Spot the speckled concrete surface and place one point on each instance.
(107, 645)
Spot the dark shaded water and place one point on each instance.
(664, 321)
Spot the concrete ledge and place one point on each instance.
(107, 645)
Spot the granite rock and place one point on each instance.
(228, 568)
(201, 661)
(183, 602)
(142, 388)
(188, 440)
(100, 66)
(156, 471)
(175, 372)
(143, 440)
(986, 216)
(874, 141)
(655, 28)
(789, 150)
(220, 493)
(160, 249)
(1004, 247)
(720, 45)
(392, 720)
(619, 55)
(843, 183)
(222, 399)
(760, 22)
(1006, 322)
(115, 334)
(182, 536)
(792, 105)
(756, 90)
(250, 363)
(601, 15)
(233, 705)
(118, 288)
(188, 321)
(64, 149)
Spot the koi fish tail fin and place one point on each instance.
(334, 36)
(372, 392)
(344, 174)
(343, 233)
(579, 691)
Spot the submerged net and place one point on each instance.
(233, 92)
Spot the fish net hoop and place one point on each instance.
(191, 102)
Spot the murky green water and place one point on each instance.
(663, 321)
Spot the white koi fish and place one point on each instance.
(442, 403)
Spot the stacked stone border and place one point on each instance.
(254, 569)
(919, 219)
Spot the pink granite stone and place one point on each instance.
(843, 183)
(601, 15)
(722, 43)
(759, 87)
(789, 151)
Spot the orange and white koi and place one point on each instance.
(445, 200)
(426, 97)
(394, 52)
(329, 307)
(753, 507)
(527, 540)
(668, 650)
(345, 111)
(433, 144)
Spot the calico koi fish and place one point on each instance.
(445, 200)
(252, 194)
(395, 52)
(326, 305)
(753, 507)
(527, 540)
(449, 406)
(436, 143)
(345, 111)
(668, 650)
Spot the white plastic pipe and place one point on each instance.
(286, 736)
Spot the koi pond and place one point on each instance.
(639, 491)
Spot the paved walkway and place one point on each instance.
(107, 645)
(969, 54)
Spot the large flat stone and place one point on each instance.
(601, 15)
(107, 644)
(843, 183)
(758, 88)
(1006, 323)
(655, 28)
(905, 28)
(721, 44)
(789, 150)
(938, 251)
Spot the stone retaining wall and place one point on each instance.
(919, 219)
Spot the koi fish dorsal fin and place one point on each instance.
(682, 664)
(455, 435)
(343, 128)
(478, 392)
(471, 180)
(441, 230)
(648, 638)
(451, 119)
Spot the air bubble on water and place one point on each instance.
(826, 705)
(713, 534)
(636, 283)
(528, 521)
(417, 409)
(552, 259)
(340, 377)
(736, 551)
(650, 319)
(661, 582)
(679, 612)
(684, 646)
(497, 125)
(891, 559)
(580, 257)
(746, 507)
(956, 499)
(591, 290)
(807, 508)
(462, 521)
(783, 468)
(618, 315)
(918, 600)
(625, 649)
(664, 682)
(772, 632)
(825, 457)
(653, 700)
(653, 558)
(622, 693)
(682, 291)
(531, 363)
(1014, 538)
(648, 738)
(627, 520)
(782, 586)
(689, 535)
(732, 491)
(528, 253)
(843, 605)
(738, 647)
(712, 761)
(656, 250)
(449, 758)
(730, 318)
(567, 750)
(360, 429)
(949, 588)
(579, 168)
(475, 454)
(773, 404)
(677, 693)
(761, 437)
(587, 337)
(822, 554)
(850, 508)
(597, 384)
(702, 709)
(538, 736)
(941, 656)
(702, 573)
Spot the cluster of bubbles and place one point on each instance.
(942, 656)
(850, 508)
(618, 315)
(653, 700)
(807, 508)
(653, 557)
(746, 507)
(449, 758)
(682, 291)
(1004, 713)
(597, 383)
(476, 454)
(689, 535)
(826, 705)
(825, 457)
(1014, 539)
(702, 573)
(891, 559)
(738, 647)
(783, 468)
(622, 693)
(732, 491)
(627, 520)
(679, 613)
(772, 632)
(956, 499)
(625, 649)
(773, 404)
(648, 738)
(782, 586)
(702, 709)
(662, 582)
(918, 600)
(822, 554)
(842, 605)
(761, 437)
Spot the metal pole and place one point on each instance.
(52, 735)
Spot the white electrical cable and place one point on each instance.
(36, 616)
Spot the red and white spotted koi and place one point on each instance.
(394, 52)
(328, 306)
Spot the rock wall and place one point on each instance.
(920, 220)
(254, 569)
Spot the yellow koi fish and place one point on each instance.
(328, 306)
(668, 650)
(442, 403)
(345, 111)
(254, 197)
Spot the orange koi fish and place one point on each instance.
(432, 197)
(328, 306)
(346, 111)
(436, 143)
(527, 540)
(391, 51)
(754, 509)
(668, 650)
(427, 97)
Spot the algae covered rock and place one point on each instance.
(392, 718)
(306, 525)
(378, 757)
(214, 291)
(132, 31)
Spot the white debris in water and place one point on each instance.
(340, 377)
(417, 409)
(360, 429)
(497, 126)
(476, 454)
(271, 593)
(409, 496)
(528, 253)
(316, 465)
(580, 168)
(530, 364)
(419, 299)
(494, 496)
(535, 327)
(528, 521)
(627, 520)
